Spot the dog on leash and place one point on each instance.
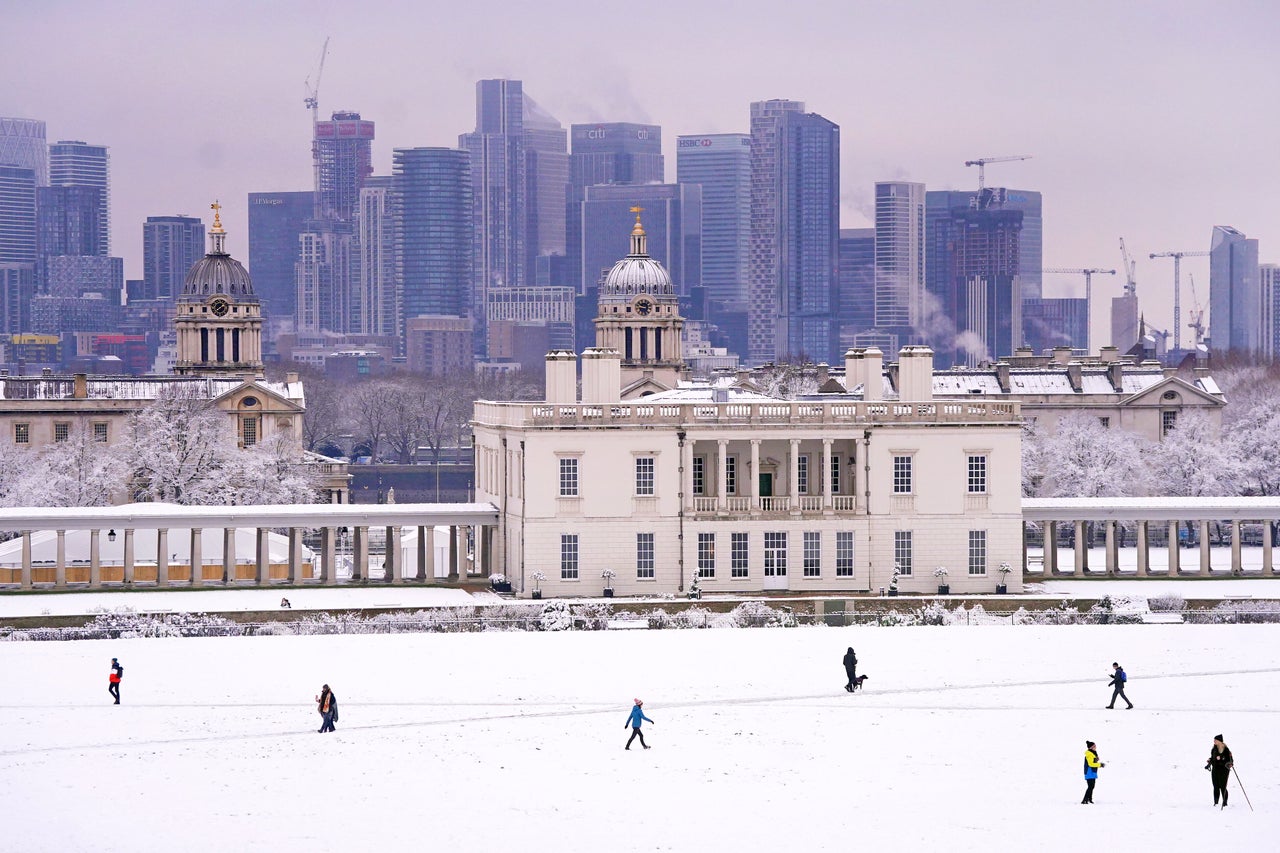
(857, 684)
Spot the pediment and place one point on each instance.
(1155, 395)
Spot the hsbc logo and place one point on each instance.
(693, 143)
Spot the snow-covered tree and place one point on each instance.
(1251, 432)
(1033, 460)
(19, 475)
(1084, 459)
(81, 471)
(177, 449)
(1191, 461)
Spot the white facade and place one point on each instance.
(749, 492)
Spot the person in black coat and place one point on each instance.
(327, 705)
(1220, 762)
(113, 680)
(1118, 678)
(850, 668)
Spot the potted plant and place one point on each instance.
(1002, 588)
(538, 578)
(941, 574)
(608, 575)
(499, 583)
(893, 581)
(695, 590)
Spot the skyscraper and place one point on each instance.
(1269, 286)
(342, 152)
(1049, 323)
(432, 209)
(1030, 238)
(1234, 294)
(520, 175)
(170, 247)
(69, 221)
(22, 143)
(900, 260)
(857, 300)
(721, 164)
(78, 164)
(377, 302)
(276, 222)
(17, 215)
(795, 223)
(608, 153)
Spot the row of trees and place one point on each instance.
(1082, 458)
(180, 449)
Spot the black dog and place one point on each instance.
(857, 683)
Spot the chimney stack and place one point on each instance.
(1107, 355)
(1075, 375)
(872, 375)
(1061, 355)
(1002, 376)
(562, 377)
(1115, 372)
(853, 367)
(82, 386)
(915, 374)
(601, 376)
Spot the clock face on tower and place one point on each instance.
(220, 307)
(643, 307)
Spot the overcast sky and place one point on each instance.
(1153, 121)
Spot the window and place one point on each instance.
(812, 554)
(100, 431)
(1106, 422)
(706, 555)
(568, 478)
(699, 475)
(844, 553)
(775, 554)
(644, 556)
(738, 555)
(977, 474)
(249, 429)
(835, 474)
(802, 473)
(61, 432)
(644, 476)
(731, 475)
(22, 433)
(977, 552)
(902, 475)
(568, 556)
(1168, 420)
(902, 551)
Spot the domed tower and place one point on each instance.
(639, 315)
(218, 317)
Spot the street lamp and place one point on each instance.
(111, 535)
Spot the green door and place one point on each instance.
(766, 485)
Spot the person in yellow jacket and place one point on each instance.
(1091, 765)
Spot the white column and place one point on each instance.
(1173, 548)
(197, 556)
(755, 475)
(95, 560)
(328, 557)
(128, 556)
(427, 552)
(686, 475)
(1144, 549)
(60, 566)
(295, 555)
(1267, 564)
(1050, 549)
(1081, 549)
(229, 556)
(1205, 566)
(1237, 564)
(394, 561)
(162, 557)
(359, 553)
(453, 552)
(26, 559)
(826, 475)
(722, 460)
(262, 555)
(1113, 562)
(793, 500)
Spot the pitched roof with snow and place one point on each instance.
(134, 387)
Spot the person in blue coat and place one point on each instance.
(1118, 679)
(634, 721)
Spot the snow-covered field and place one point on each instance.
(966, 739)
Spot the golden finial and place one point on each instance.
(217, 217)
(639, 229)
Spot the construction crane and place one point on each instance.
(1177, 289)
(1197, 313)
(1130, 280)
(312, 100)
(1088, 294)
(982, 162)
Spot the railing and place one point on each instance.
(845, 503)
(811, 503)
(775, 504)
(737, 504)
(518, 414)
(704, 504)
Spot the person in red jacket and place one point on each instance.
(113, 681)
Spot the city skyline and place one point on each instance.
(1131, 133)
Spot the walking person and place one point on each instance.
(113, 680)
(1091, 767)
(634, 721)
(1118, 678)
(1220, 762)
(850, 668)
(327, 705)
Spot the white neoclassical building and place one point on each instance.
(746, 492)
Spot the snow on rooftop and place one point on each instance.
(691, 393)
(131, 387)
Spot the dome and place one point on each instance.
(637, 273)
(217, 274)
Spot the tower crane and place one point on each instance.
(1130, 280)
(1177, 289)
(1088, 294)
(312, 100)
(1196, 314)
(982, 162)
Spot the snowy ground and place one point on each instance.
(966, 739)
(1187, 588)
